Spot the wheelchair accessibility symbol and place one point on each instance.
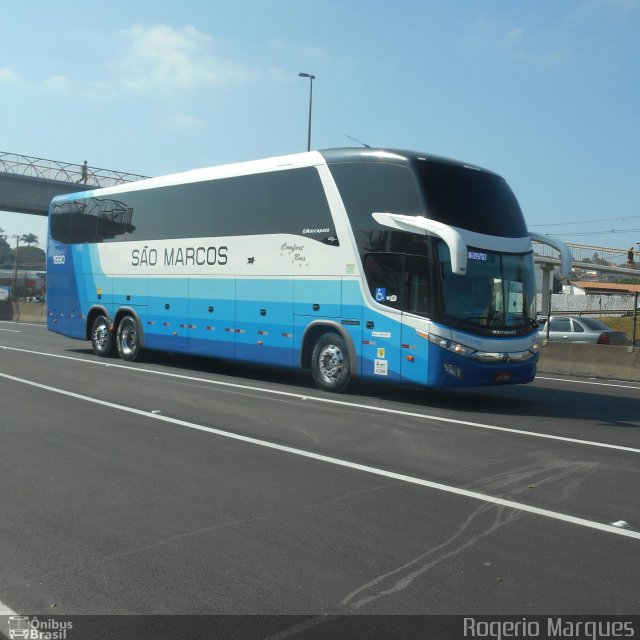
(381, 295)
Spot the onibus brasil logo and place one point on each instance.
(34, 628)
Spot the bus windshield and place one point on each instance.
(496, 296)
(468, 198)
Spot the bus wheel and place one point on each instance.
(330, 364)
(128, 339)
(101, 337)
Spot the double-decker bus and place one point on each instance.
(371, 263)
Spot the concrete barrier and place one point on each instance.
(6, 310)
(591, 360)
(23, 311)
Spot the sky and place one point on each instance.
(544, 92)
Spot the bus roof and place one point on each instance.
(398, 156)
(304, 159)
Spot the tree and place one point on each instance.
(29, 239)
(5, 249)
(31, 258)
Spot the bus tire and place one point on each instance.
(128, 339)
(102, 337)
(330, 365)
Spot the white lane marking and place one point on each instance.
(511, 504)
(342, 403)
(597, 384)
(11, 330)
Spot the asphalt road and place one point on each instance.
(187, 486)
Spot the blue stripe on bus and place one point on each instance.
(257, 320)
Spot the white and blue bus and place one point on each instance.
(370, 263)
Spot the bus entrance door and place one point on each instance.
(380, 342)
(382, 327)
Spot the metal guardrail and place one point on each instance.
(63, 171)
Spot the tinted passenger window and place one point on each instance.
(89, 220)
(368, 187)
(297, 204)
(61, 222)
(113, 218)
(290, 201)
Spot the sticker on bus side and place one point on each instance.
(381, 367)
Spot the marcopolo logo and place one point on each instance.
(34, 628)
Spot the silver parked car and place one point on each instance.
(581, 329)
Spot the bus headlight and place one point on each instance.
(497, 357)
(449, 345)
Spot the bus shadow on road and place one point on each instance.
(473, 404)
(527, 401)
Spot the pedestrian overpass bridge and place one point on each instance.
(28, 184)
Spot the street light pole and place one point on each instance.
(311, 79)
(15, 267)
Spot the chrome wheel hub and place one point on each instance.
(331, 363)
(101, 336)
(129, 340)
